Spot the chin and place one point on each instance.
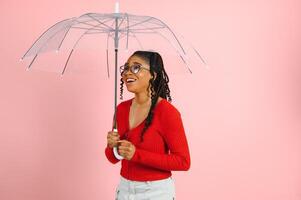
(132, 90)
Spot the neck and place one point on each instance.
(142, 100)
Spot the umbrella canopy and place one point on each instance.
(121, 27)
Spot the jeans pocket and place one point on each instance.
(116, 193)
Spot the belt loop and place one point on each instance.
(148, 183)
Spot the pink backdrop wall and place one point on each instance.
(242, 117)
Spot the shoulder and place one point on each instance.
(124, 104)
(169, 117)
(168, 109)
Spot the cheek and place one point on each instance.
(144, 82)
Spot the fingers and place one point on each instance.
(113, 135)
(126, 149)
(125, 145)
(112, 138)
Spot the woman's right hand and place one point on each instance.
(112, 139)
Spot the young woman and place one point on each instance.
(151, 136)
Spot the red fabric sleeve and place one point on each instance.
(174, 135)
(110, 155)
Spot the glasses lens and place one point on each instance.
(123, 69)
(135, 68)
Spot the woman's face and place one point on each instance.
(141, 79)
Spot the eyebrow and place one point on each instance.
(133, 62)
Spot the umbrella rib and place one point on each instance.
(67, 61)
(101, 22)
(121, 22)
(42, 35)
(107, 56)
(88, 28)
(144, 32)
(32, 61)
(92, 26)
(98, 32)
(76, 45)
(146, 28)
(47, 41)
(107, 51)
(174, 48)
(127, 32)
(155, 32)
(151, 22)
(195, 50)
(52, 37)
(71, 50)
(122, 34)
(86, 22)
(104, 29)
(63, 39)
(101, 28)
(172, 34)
(137, 40)
(139, 22)
(171, 43)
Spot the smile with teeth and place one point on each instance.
(130, 80)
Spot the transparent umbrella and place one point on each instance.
(127, 31)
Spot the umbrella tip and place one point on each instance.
(117, 6)
(21, 59)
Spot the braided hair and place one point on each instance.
(158, 86)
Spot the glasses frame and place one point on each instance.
(123, 71)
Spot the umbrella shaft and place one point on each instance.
(115, 99)
(116, 33)
(116, 64)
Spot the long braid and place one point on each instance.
(154, 97)
(166, 88)
(155, 60)
(121, 89)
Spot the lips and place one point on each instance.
(130, 80)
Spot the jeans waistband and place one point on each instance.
(143, 182)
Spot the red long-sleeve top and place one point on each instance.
(164, 147)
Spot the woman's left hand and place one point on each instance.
(126, 149)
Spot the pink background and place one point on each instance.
(242, 116)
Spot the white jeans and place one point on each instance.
(145, 190)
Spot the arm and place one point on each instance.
(110, 155)
(174, 135)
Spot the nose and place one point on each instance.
(127, 71)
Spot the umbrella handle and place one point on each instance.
(119, 157)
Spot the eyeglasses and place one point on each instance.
(135, 68)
